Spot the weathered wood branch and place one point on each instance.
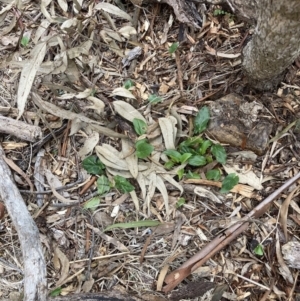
(20, 129)
(35, 283)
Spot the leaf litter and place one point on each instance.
(74, 68)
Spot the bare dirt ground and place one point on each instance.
(77, 57)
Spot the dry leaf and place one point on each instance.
(89, 145)
(248, 177)
(120, 91)
(28, 74)
(284, 270)
(284, 211)
(127, 111)
(112, 9)
(169, 130)
(128, 152)
(65, 265)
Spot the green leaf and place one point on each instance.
(259, 250)
(185, 157)
(154, 99)
(173, 47)
(143, 149)
(140, 126)
(192, 175)
(24, 41)
(103, 185)
(201, 120)
(56, 292)
(229, 182)
(209, 159)
(122, 184)
(92, 203)
(169, 164)
(180, 173)
(180, 202)
(145, 223)
(219, 152)
(197, 161)
(192, 141)
(93, 165)
(204, 146)
(128, 84)
(219, 12)
(213, 174)
(174, 155)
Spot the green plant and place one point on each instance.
(128, 84)
(154, 99)
(180, 202)
(191, 153)
(25, 41)
(173, 47)
(94, 166)
(259, 250)
(197, 152)
(220, 12)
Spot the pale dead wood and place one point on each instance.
(107, 296)
(35, 283)
(20, 129)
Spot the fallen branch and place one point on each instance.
(113, 295)
(222, 240)
(20, 129)
(35, 283)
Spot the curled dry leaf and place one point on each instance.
(65, 265)
(169, 130)
(127, 111)
(284, 211)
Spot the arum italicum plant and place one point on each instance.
(185, 158)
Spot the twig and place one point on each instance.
(222, 240)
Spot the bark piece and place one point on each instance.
(291, 254)
(20, 129)
(185, 11)
(35, 283)
(234, 121)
